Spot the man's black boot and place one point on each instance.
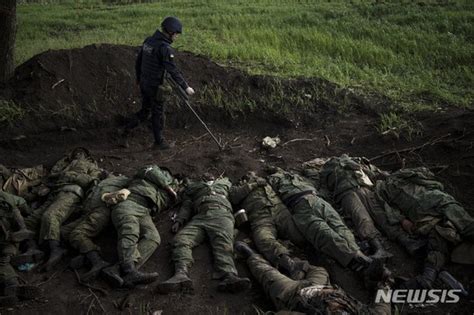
(179, 282)
(427, 278)
(97, 265)
(131, 276)
(233, 284)
(243, 249)
(380, 252)
(112, 275)
(56, 253)
(295, 269)
(411, 245)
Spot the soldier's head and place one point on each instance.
(80, 153)
(208, 177)
(172, 27)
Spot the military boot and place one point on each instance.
(233, 284)
(112, 275)
(359, 262)
(380, 252)
(97, 265)
(426, 279)
(56, 253)
(32, 255)
(179, 282)
(131, 276)
(412, 246)
(243, 249)
(295, 269)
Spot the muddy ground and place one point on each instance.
(79, 97)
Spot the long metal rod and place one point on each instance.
(184, 98)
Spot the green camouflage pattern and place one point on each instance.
(270, 220)
(316, 219)
(415, 194)
(208, 214)
(97, 215)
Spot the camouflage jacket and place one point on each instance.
(251, 197)
(110, 184)
(414, 194)
(150, 182)
(288, 184)
(80, 172)
(200, 197)
(342, 174)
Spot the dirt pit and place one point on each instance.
(79, 97)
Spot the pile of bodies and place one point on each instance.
(408, 206)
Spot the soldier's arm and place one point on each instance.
(138, 65)
(157, 176)
(240, 192)
(171, 67)
(185, 212)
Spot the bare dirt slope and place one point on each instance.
(78, 98)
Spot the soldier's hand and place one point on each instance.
(189, 90)
(407, 225)
(175, 227)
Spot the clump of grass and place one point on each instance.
(397, 125)
(10, 112)
(414, 54)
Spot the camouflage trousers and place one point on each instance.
(137, 235)
(283, 291)
(322, 226)
(271, 224)
(52, 214)
(89, 227)
(218, 227)
(356, 204)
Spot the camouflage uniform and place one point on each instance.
(97, 215)
(349, 180)
(26, 182)
(68, 191)
(305, 295)
(270, 220)
(8, 277)
(138, 237)
(414, 194)
(315, 218)
(207, 212)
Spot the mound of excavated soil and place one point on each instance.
(93, 86)
(97, 89)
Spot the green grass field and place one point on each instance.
(419, 53)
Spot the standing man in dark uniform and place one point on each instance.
(154, 60)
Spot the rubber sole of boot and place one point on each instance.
(112, 276)
(234, 286)
(129, 282)
(170, 287)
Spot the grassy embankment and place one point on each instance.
(419, 55)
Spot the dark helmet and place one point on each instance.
(172, 25)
